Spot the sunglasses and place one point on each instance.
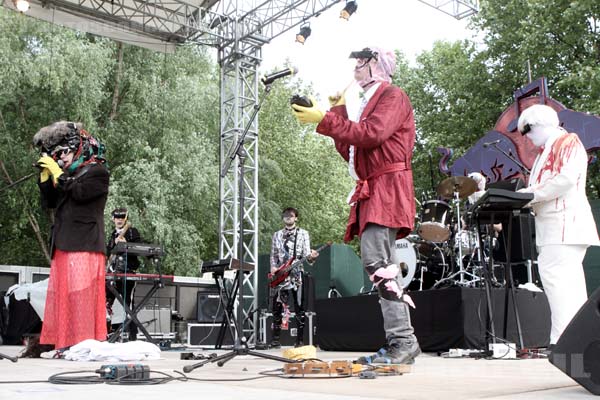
(60, 151)
(119, 216)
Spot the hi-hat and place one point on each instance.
(463, 185)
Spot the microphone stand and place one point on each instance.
(13, 359)
(431, 171)
(524, 169)
(240, 347)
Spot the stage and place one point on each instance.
(443, 319)
(432, 377)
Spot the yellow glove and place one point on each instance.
(306, 115)
(337, 99)
(51, 166)
(44, 175)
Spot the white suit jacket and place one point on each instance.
(557, 181)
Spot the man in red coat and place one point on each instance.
(378, 144)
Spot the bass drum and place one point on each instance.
(404, 251)
(432, 265)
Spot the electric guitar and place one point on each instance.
(284, 270)
(110, 263)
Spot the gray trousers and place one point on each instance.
(376, 244)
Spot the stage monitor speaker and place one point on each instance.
(206, 335)
(577, 352)
(209, 308)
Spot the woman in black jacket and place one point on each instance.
(74, 183)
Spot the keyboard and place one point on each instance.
(138, 249)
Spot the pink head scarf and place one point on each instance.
(382, 69)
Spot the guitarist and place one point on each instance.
(289, 242)
(123, 232)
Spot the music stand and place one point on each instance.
(240, 347)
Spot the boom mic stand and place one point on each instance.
(21, 180)
(240, 347)
(512, 158)
(13, 359)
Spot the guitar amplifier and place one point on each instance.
(155, 319)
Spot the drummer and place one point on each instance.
(480, 180)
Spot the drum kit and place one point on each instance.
(444, 251)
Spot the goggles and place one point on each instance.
(365, 53)
(60, 151)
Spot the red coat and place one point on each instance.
(384, 139)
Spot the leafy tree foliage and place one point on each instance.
(299, 168)
(159, 117)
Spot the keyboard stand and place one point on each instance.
(227, 301)
(505, 217)
(131, 313)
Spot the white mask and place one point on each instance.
(539, 135)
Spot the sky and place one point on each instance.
(407, 25)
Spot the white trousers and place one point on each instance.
(561, 271)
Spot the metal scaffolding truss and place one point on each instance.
(239, 59)
(458, 9)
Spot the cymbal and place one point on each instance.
(463, 185)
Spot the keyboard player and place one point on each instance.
(564, 224)
(129, 264)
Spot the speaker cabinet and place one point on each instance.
(209, 308)
(577, 352)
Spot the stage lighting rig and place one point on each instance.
(348, 10)
(304, 33)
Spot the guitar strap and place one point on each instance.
(295, 243)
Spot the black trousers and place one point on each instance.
(285, 296)
(127, 290)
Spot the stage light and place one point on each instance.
(304, 33)
(21, 5)
(348, 10)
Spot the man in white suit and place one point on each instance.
(564, 224)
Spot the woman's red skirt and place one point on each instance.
(76, 300)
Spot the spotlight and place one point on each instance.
(21, 5)
(304, 33)
(348, 10)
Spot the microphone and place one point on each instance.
(488, 144)
(60, 163)
(268, 79)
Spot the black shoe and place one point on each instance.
(394, 353)
(275, 344)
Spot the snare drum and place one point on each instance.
(404, 251)
(435, 221)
